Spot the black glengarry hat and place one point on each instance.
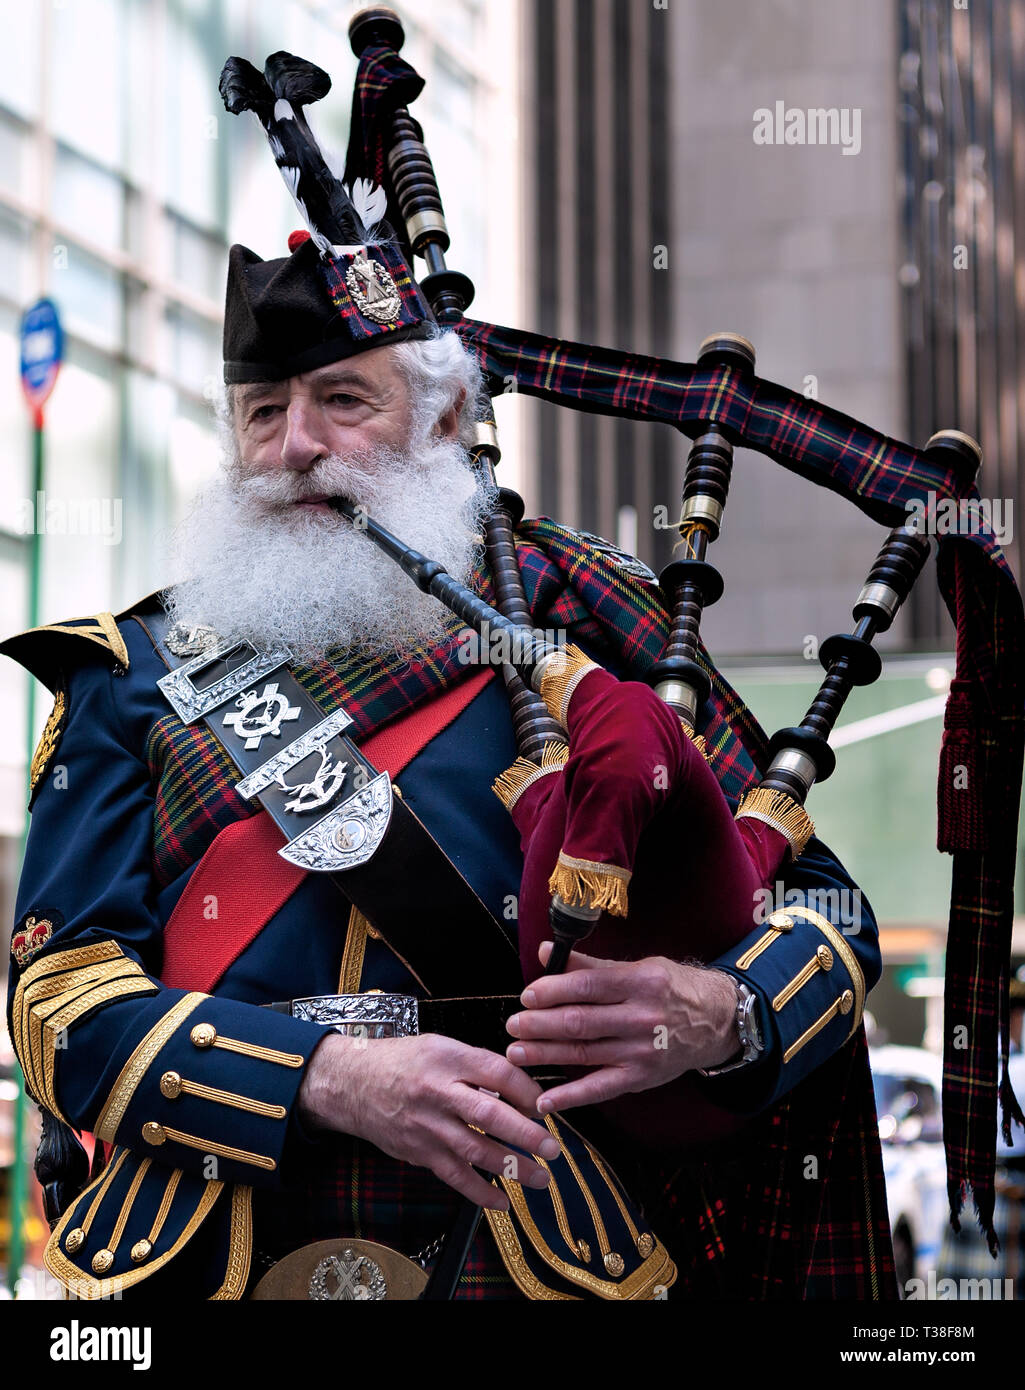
(346, 287)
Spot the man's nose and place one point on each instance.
(302, 445)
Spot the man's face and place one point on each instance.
(346, 408)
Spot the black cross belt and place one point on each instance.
(340, 816)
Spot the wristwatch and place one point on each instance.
(749, 1032)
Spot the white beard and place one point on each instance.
(263, 569)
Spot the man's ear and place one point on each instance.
(448, 423)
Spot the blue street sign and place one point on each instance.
(42, 348)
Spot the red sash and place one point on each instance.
(242, 881)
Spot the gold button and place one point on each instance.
(153, 1133)
(74, 1239)
(645, 1244)
(846, 1001)
(203, 1035)
(102, 1261)
(781, 921)
(140, 1250)
(171, 1085)
(584, 1251)
(825, 957)
(615, 1264)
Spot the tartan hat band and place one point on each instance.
(292, 315)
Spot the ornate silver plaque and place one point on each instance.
(274, 769)
(363, 1015)
(191, 704)
(261, 716)
(349, 834)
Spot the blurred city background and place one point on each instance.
(601, 182)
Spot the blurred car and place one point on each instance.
(908, 1083)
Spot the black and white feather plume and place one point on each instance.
(339, 218)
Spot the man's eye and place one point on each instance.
(263, 412)
(342, 397)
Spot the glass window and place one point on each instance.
(194, 118)
(82, 515)
(194, 351)
(193, 457)
(86, 88)
(88, 294)
(148, 412)
(15, 164)
(16, 433)
(15, 252)
(199, 259)
(21, 37)
(88, 197)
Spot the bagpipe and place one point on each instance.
(614, 793)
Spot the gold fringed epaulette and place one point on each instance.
(49, 650)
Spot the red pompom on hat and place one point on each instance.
(296, 239)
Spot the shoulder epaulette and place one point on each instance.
(53, 648)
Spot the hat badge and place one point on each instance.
(373, 290)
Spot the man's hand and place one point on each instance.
(640, 1023)
(416, 1099)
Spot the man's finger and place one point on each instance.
(577, 959)
(581, 985)
(607, 1052)
(581, 1023)
(500, 1121)
(494, 1072)
(589, 1090)
(500, 1159)
(462, 1178)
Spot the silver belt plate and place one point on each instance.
(370, 1015)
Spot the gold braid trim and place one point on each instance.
(138, 1064)
(782, 812)
(351, 971)
(591, 884)
(48, 740)
(562, 675)
(511, 785)
(240, 1249)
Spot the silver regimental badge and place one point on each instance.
(373, 289)
(349, 1278)
(251, 725)
(629, 564)
(348, 835)
(184, 640)
(308, 796)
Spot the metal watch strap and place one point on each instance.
(752, 1045)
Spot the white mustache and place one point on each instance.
(358, 478)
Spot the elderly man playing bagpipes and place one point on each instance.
(379, 969)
